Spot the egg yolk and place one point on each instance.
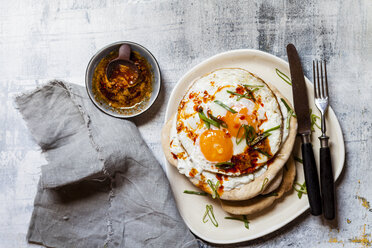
(234, 121)
(216, 145)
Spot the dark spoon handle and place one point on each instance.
(327, 183)
(311, 179)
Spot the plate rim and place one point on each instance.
(300, 211)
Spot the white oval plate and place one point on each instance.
(192, 207)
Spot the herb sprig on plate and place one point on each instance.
(313, 119)
(209, 212)
(301, 190)
(298, 159)
(191, 192)
(283, 76)
(244, 219)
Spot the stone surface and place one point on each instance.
(44, 40)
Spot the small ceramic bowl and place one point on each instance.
(102, 54)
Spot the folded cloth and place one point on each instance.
(102, 187)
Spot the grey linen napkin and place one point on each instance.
(102, 187)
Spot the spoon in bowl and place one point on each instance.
(122, 70)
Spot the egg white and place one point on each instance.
(210, 84)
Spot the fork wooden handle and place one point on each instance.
(311, 179)
(327, 183)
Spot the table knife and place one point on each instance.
(301, 107)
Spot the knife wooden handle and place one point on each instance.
(311, 179)
(327, 183)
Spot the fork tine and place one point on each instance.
(318, 80)
(314, 78)
(321, 88)
(325, 86)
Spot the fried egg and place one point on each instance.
(222, 124)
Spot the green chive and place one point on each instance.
(250, 85)
(283, 76)
(234, 93)
(250, 134)
(313, 119)
(221, 122)
(240, 95)
(301, 190)
(202, 117)
(298, 159)
(250, 93)
(271, 129)
(270, 194)
(225, 106)
(238, 140)
(214, 188)
(205, 215)
(290, 112)
(245, 220)
(209, 212)
(260, 138)
(262, 152)
(289, 118)
(195, 192)
(287, 107)
(225, 165)
(207, 120)
(265, 181)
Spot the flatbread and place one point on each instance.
(259, 203)
(255, 187)
(165, 142)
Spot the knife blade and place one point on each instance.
(301, 106)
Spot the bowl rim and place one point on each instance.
(111, 113)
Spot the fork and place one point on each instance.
(326, 173)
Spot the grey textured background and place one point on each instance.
(44, 40)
